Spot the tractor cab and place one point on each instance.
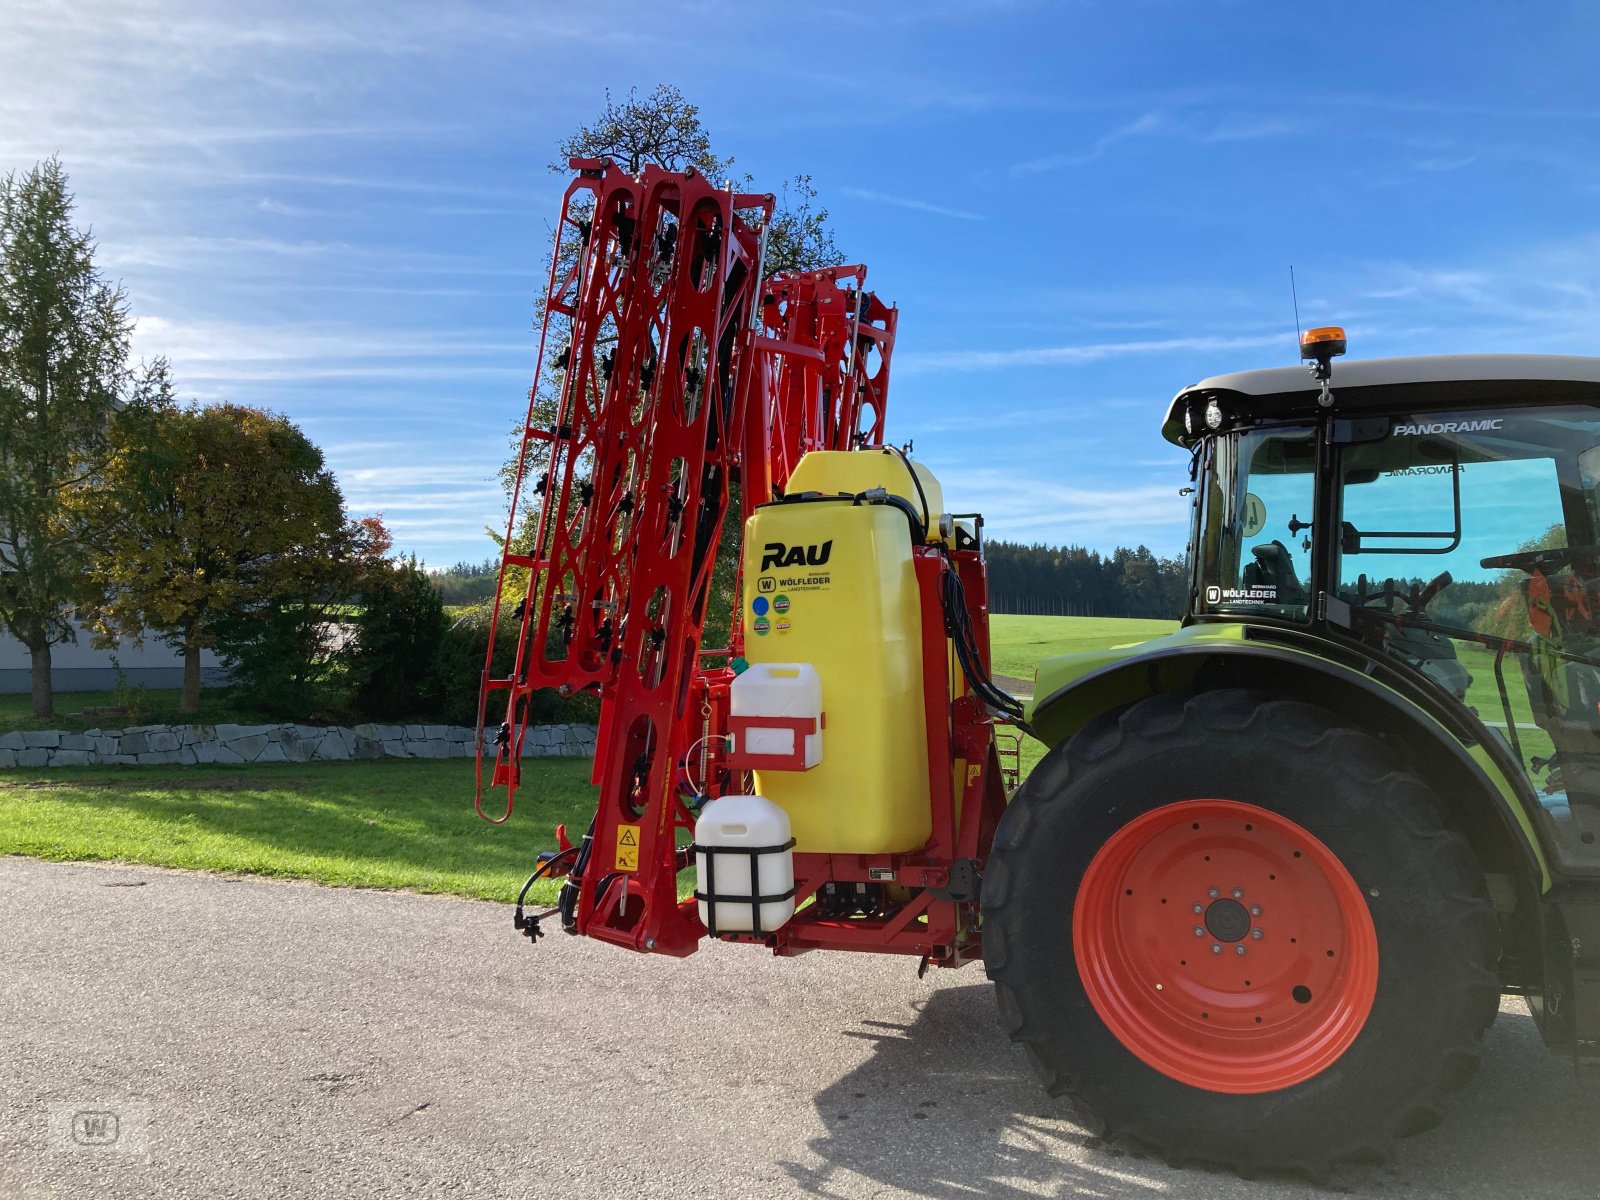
(1440, 515)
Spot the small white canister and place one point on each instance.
(744, 865)
(783, 692)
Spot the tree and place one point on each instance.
(662, 128)
(397, 636)
(63, 362)
(665, 129)
(220, 527)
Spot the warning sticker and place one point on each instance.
(627, 847)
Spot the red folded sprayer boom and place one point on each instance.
(680, 384)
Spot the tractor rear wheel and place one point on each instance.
(1235, 930)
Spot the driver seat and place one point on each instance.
(1275, 569)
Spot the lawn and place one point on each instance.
(389, 824)
(1484, 695)
(392, 824)
(1018, 643)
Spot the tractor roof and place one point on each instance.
(1399, 385)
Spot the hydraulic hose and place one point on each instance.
(958, 624)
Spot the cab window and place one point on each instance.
(1256, 520)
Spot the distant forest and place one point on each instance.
(1072, 581)
(466, 582)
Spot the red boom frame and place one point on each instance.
(679, 375)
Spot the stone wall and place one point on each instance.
(191, 744)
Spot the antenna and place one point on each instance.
(1295, 296)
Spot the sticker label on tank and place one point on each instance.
(780, 604)
(783, 627)
(805, 583)
(762, 626)
(759, 606)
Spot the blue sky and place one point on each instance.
(340, 211)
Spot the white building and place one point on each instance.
(79, 667)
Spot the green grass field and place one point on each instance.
(1484, 695)
(388, 824)
(1018, 643)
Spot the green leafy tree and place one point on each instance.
(64, 334)
(397, 637)
(661, 128)
(664, 128)
(220, 527)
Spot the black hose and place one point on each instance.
(529, 926)
(567, 901)
(958, 624)
(541, 870)
(927, 517)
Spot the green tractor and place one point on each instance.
(1259, 903)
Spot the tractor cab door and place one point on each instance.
(1258, 492)
(1467, 538)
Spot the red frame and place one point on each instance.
(679, 375)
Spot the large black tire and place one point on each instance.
(1434, 994)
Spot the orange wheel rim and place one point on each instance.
(1225, 946)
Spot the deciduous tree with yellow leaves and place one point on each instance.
(216, 518)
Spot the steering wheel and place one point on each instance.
(1538, 561)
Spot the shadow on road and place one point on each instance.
(946, 1107)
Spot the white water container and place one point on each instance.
(740, 841)
(774, 689)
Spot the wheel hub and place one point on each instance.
(1228, 920)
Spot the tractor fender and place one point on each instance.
(1451, 749)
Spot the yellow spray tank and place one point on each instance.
(831, 583)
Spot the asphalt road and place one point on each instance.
(280, 1039)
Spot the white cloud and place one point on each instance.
(1024, 505)
(1445, 162)
(916, 205)
(212, 359)
(1141, 126)
(1055, 356)
(1252, 129)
